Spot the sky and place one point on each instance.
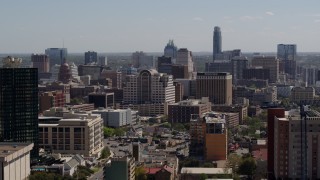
(31, 26)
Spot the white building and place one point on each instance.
(117, 117)
(15, 160)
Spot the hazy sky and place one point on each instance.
(129, 25)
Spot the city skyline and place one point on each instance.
(127, 26)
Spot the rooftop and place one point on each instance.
(12, 150)
(193, 170)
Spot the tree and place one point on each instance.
(105, 153)
(233, 162)
(247, 166)
(178, 127)
(207, 165)
(76, 101)
(119, 132)
(203, 176)
(140, 173)
(108, 132)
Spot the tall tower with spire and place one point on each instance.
(217, 42)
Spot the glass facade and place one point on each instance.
(19, 106)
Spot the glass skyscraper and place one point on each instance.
(217, 42)
(19, 104)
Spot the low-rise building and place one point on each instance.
(73, 133)
(181, 112)
(117, 117)
(51, 99)
(15, 160)
(120, 168)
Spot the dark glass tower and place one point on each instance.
(19, 105)
(217, 42)
(90, 57)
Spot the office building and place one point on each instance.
(56, 55)
(40, 61)
(15, 160)
(181, 112)
(242, 110)
(178, 91)
(217, 42)
(216, 86)
(219, 66)
(105, 100)
(117, 117)
(268, 62)
(239, 64)
(256, 73)
(288, 53)
(302, 94)
(180, 71)
(189, 87)
(64, 73)
(19, 104)
(120, 168)
(102, 61)
(184, 57)
(170, 50)
(140, 60)
(93, 70)
(90, 57)
(114, 75)
(165, 65)
(197, 135)
(71, 133)
(148, 87)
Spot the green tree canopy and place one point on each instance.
(140, 173)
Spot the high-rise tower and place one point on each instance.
(19, 104)
(217, 42)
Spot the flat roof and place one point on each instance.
(192, 170)
(11, 150)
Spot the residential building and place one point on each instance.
(216, 86)
(242, 110)
(189, 87)
(114, 75)
(181, 112)
(19, 104)
(40, 61)
(216, 137)
(120, 168)
(15, 160)
(159, 173)
(51, 99)
(90, 57)
(56, 55)
(73, 133)
(296, 153)
(268, 62)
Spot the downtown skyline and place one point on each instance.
(125, 26)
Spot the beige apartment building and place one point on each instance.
(74, 133)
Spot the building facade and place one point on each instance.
(40, 61)
(268, 62)
(120, 168)
(217, 42)
(56, 55)
(216, 86)
(73, 133)
(90, 57)
(184, 57)
(19, 104)
(51, 99)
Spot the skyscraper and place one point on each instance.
(19, 104)
(56, 55)
(217, 42)
(90, 57)
(268, 62)
(170, 50)
(287, 53)
(184, 57)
